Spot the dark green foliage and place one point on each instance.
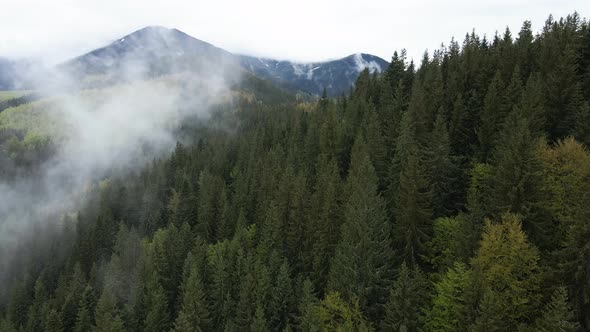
(364, 212)
(407, 299)
(308, 319)
(517, 174)
(362, 264)
(107, 314)
(410, 197)
(557, 315)
(193, 314)
(490, 122)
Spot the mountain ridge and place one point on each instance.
(157, 50)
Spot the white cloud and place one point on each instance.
(304, 30)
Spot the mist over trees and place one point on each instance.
(449, 195)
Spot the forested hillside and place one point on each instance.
(449, 195)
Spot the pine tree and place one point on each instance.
(107, 315)
(157, 318)
(20, 300)
(219, 286)
(517, 174)
(280, 303)
(460, 128)
(83, 321)
(443, 171)
(308, 320)
(410, 196)
(557, 315)
(259, 324)
(489, 317)
(525, 49)
(403, 310)
(194, 314)
(362, 264)
(371, 129)
(210, 188)
(326, 218)
(567, 174)
(246, 303)
(531, 105)
(490, 121)
(53, 322)
(292, 204)
(512, 95)
(37, 311)
(563, 95)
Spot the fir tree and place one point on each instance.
(362, 264)
(194, 314)
(107, 314)
(157, 318)
(557, 315)
(308, 320)
(410, 195)
(403, 310)
(517, 174)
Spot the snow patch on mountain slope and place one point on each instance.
(361, 64)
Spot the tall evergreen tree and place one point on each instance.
(517, 174)
(158, 318)
(362, 264)
(403, 311)
(193, 314)
(557, 315)
(107, 314)
(410, 195)
(308, 319)
(490, 121)
(443, 170)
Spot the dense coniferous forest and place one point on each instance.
(446, 195)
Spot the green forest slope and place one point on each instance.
(452, 197)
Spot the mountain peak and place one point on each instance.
(156, 50)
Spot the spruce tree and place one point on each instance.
(308, 319)
(281, 303)
(490, 121)
(403, 310)
(518, 174)
(557, 315)
(193, 314)
(443, 170)
(562, 95)
(37, 311)
(53, 322)
(107, 314)
(158, 318)
(411, 199)
(259, 324)
(323, 228)
(531, 105)
(362, 264)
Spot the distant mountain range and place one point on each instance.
(155, 50)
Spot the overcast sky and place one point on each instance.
(302, 30)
